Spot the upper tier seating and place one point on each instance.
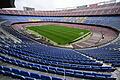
(106, 9)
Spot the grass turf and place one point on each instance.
(59, 34)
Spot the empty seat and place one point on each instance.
(24, 73)
(78, 74)
(33, 75)
(2, 72)
(15, 71)
(52, 70)
(1, 67)
(43, 77)
(44, 68)
(88, 75)
(69, 73)
(54, 78)
(28, 78)
(60, 71)
(6, 69)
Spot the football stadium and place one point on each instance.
(76, 43)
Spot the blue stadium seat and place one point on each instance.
(43, 77)
(24, 73)
(52, 70)
(33, 75)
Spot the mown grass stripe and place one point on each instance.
(59, 34)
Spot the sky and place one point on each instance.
(53, 4)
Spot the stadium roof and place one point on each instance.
(53, 4)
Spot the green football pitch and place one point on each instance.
(61, 35)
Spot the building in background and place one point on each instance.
(28, 9)
(83, 6)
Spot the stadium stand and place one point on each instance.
(106, 9)
(99, 35)
(21, 57)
